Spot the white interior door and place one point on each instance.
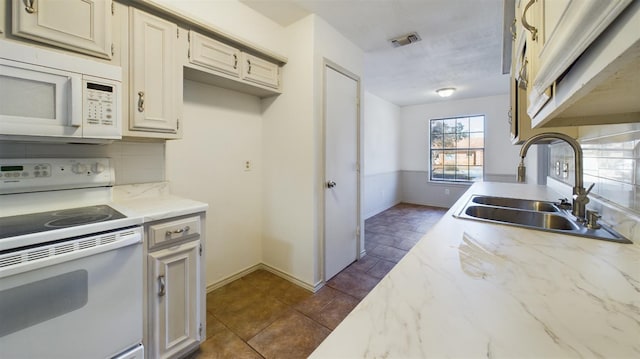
(341, 171)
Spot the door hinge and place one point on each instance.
(113, 8)
(200, 331)
(358, 167)
(357, 231)
(177, 124)
(177, 32)
(113, 50)
(200, 249)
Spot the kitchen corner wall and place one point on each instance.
(134, 162)
(222, 130)
(292, 150)
(381, 166)
(501, 157)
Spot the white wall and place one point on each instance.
(381, 167)
(501, 157)
(235, 18)
(288, 153)
(292, 150)
(222, 130)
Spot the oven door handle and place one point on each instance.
(129, 238)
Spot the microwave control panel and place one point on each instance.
(100, 103)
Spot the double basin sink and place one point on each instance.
(532, 214)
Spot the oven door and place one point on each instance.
(74, 299)
(39, 101)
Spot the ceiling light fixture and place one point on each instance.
(446, 92)
(405, 39)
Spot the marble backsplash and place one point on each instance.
(134, 162)
(611, 161)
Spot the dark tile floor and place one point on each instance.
(264, 316)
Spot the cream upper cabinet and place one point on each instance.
(79, 25)
(221, 64)
(212, 54)
(561, 34)
(155, 74)
(260, 71)
(519, 120)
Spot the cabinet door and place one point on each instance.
(153, 69)
(79, 25)
(564, 29)
(259, 71)
(213, 54)
(174, 300)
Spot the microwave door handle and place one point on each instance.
(76, 99)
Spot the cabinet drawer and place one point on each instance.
(213, 54)
(260, 71)
(174, 231)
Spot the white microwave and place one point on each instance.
(51, 96)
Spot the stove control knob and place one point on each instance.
(97, 168)
(79, 168)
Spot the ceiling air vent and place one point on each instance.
(405, 39)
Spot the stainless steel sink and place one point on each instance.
(527, 204)
(525, 218)
(538, 215)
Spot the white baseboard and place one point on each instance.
(233, 277)
(283, 275)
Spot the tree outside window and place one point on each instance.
(457, 149)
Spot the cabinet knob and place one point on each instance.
(140, 101)
(29, 6)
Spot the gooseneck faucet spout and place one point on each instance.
(580, 195)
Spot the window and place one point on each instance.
(457, 149)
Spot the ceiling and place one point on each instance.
(461, 43)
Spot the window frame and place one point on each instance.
(431, 149)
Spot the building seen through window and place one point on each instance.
(457, 149)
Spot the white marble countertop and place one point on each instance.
(471, 289)
(153, 202)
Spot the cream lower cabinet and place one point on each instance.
(175, 272)
(155, 77)
(79, 25)
(175, 294)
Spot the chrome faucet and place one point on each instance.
(580, 195)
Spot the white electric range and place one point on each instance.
(70, 265)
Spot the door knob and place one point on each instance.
(331, 184)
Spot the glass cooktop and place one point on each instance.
(47, 221)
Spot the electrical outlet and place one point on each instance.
(247, 165)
